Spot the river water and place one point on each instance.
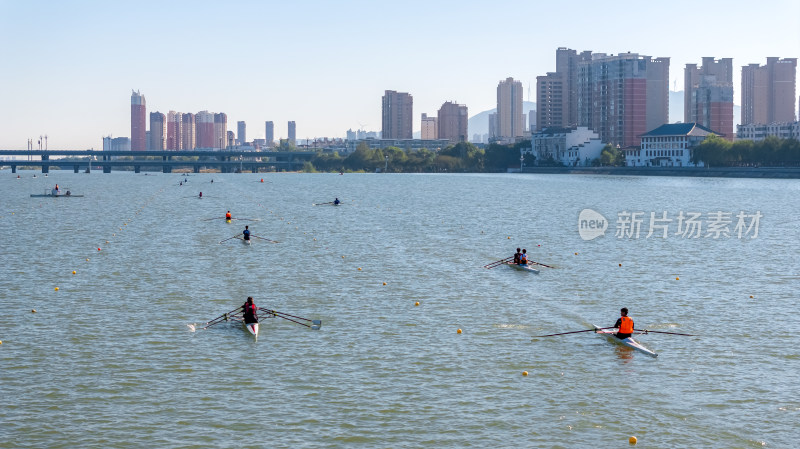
(108, 359)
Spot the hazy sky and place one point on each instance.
(68, 67)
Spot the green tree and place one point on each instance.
(713, 150)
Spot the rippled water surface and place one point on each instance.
(108, 360)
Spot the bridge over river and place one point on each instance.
(227, 161)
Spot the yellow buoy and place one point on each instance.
(677, 279)
(576, 254)
(620, 264)
(751, 296)
(74, 272)
(359, 268)
(632, 440)
(33, 311)
(1, 342)
(87, 259)
(106, 242)
(56, 289)
(509, 237)
(416, 303)
(342, 257)
(524, 373)
(458, 331)
(384, 283)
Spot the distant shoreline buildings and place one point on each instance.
(622, 98)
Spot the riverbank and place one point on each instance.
(714, 172)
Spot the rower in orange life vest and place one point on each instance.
(228, 216)
(250, 311)
(624, 325)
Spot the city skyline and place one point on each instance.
(70, 71)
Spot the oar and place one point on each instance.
(645, 331)
(315, 324)
(537, 263)
(247, 219)
(573, 332)
(322, 204)
(237, 235)
(262, 238)
(221, 318)
(498, 262)
(209, 219)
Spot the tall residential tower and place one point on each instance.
(292, 132)
(158, 131)
(269, 133)
(708, 95)
(510, 118)
(768, 92)
(397, 114)
(138, 122)
(622, 97)
(452, 122)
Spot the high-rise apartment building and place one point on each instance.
(158, 131)
(269, 134)
(220, 130)
(557, 92)
(708, 95)
(174, 132)
(138, 122)
(768, 92)
(397, 112)
(241, 132)
(510, 117)
(452, 122)
(429, 130)
(552, 103)
(204, 129)
(292, 132)
(622, 97)
(493, 125)
(188, 132)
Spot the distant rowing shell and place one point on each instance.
(50, 195)
(527, 268)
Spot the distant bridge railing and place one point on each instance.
(225, 161)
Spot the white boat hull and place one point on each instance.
(527, 268)
(609, 334)
(252, 328)
(246, 242)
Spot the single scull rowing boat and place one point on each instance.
(609, 334)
